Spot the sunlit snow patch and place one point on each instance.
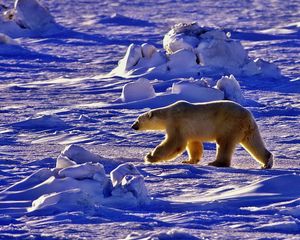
(190, 50)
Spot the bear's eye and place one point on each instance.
(150, 115)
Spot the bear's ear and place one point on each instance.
(150, 114)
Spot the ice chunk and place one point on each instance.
(75, 154)
(121, 171)
(63, 161)
(129, 192)
(182, 60)
(138, 90)
(82, 171)
(31, 14)
(148, 50)
(231, 88)
(197, 93)
(183, 36)
(131, 58)
(136, 185)
(215, 52)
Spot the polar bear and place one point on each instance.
(188, 125)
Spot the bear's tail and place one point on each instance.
(255, 145)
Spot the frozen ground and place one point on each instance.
(54, 93)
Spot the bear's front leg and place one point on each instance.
(150, 158)
(195, 151)
(167, 150)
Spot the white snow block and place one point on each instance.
(82, 171)
(148, 50)
(136, 185)
(131, 58)
(121, 171)
(75, 154)
(231, 88)
(182, 60)
(182, 36)
(215, 51)
(138, 90)
(197, 93)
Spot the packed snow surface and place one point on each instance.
(70, 83)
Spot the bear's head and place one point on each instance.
(149, 121)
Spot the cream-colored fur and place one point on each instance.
(187, 126)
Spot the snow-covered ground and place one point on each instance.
(57, 89)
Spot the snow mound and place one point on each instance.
(191, 51)
(138, 90)
(74, 154)
(79, 187)
(28, 18)
(231, 88)
(44, 122)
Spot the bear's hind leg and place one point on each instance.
(254, 145)
(168, 149)
(195, 151)
(225, 150)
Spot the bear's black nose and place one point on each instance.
(135, 126)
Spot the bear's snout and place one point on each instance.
(135, 126)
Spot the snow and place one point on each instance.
(59, 83)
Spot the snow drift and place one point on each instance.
(191, 50)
